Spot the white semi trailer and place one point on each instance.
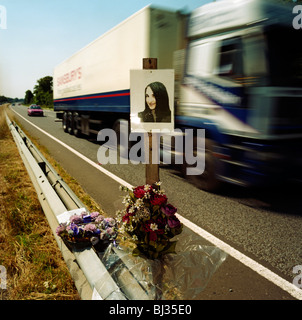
(92, 87)
(238, 76)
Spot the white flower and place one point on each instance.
(134, 238)
(139, 203)
(147, 195)
(135, 218)
(127, 200)
(129, 228)
(147, 187)
(153, 226)
(122, 228)
(131, 210)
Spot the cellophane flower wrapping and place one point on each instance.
(180, 276)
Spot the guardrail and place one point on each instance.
(87, 270)
(113, 275)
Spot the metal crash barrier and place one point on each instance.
(87, 270)
(115, 274)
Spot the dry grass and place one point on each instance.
(28, 250)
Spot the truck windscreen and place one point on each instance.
(284, 57)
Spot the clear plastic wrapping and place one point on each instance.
(180, 276)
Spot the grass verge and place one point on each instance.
(34, 264)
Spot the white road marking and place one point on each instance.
(255, 266)
(252, 264)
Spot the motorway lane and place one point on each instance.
(247, 222)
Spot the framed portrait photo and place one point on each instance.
(151, 100)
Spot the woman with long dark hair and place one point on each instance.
(156, 104)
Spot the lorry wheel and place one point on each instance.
(206, 181)
(70, 123)
(75, 122)
(121, 126)
(64, 122)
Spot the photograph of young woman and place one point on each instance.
(156, 104)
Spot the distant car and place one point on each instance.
(35, 110)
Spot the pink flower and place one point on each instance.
(173, 222)
(75, 219)
(94, 215)
(110, 231)
(109, 222)
(168, 210)
(60, 229)
(99, 218)
(90, 227)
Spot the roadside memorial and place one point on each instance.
(145, 249)
(151, 248)
(167, 261)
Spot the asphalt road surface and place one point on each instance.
(262, 227)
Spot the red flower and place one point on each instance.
(146, 226)
(126, 217)
(158, 199)
(152, 236)
(139, 192)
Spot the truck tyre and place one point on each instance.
(207, 181)
(70, 123)
(123, 151)
(64, 122)
(75, 122)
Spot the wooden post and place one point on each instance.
(149, 63)
(152, 169)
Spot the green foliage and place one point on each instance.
(4, 99)
(43, 91)
(42, 94)
(29, 97)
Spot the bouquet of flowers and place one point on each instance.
(150, 221)
(83, 228)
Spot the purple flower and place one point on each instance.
(87, 218)
(168, 210)
(173, 222)
(109, 222)
(75, 219)
(74, 228)
(60, 229)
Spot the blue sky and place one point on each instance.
(42, 33)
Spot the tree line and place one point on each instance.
(4, 99)
(42, 93)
